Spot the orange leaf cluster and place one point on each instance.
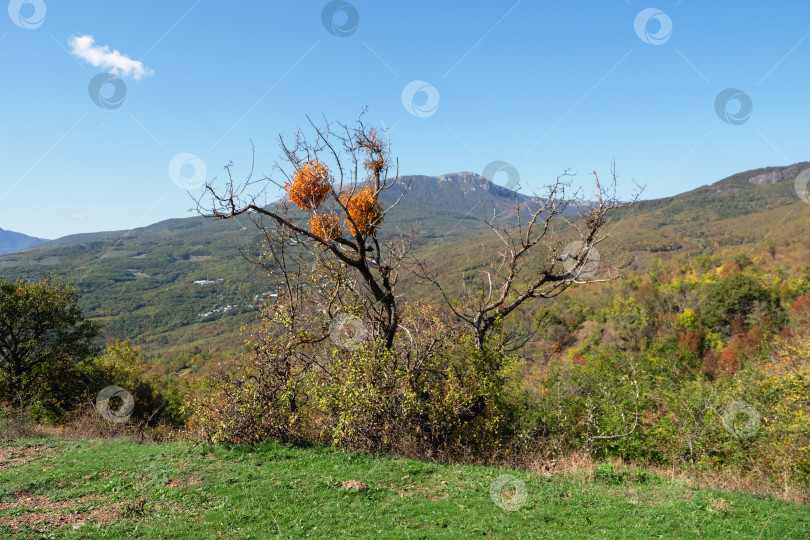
(374, 164)
(325, 226)
(310, 185)
(800, 309)
(364, 209)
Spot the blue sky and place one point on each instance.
(544, 86)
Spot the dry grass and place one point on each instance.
(85, 424)
(43, 515)
(581, 464)
(721, 506)
(11, 456)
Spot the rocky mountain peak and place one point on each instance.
(778, 175)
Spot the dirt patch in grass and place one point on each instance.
(11, 456)
(354, 484)
(38, 512)
(191, 480)
(721, 506)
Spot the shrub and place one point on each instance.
(237, 403)
(122, 365)
(800, 309)
(607, 473)
(15, 423)
(734, 297)
(785, 384)
(440, 395)
(46, 338)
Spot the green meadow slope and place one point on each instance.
(120, 489)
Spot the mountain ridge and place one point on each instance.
(141, 283)
(13, 242)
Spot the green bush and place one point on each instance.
(449, 398)
(122, 365)
(608, 473)
(44, 337)
(734, 297)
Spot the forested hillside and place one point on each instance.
(140, 283)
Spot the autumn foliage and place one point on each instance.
(325, 225)
(310, 186)
(364, 210)
(800, 309)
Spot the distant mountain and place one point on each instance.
(12, 242)
(458, 192)
(456, 202)
(746, 208)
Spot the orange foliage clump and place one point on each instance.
(741, 346)
(800, 309)
(728, 361)
(310, 185)
(364, 209)
(691, 341)
(710, 362)
(325, 226)
(374, 164)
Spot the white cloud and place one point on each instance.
(84, 47)
(77, 216)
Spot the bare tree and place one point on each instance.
(352, 164)
(323, 244)
(337, 175)
(527, 263)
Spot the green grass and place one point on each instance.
(182, 490)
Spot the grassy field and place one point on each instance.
(120, 489)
